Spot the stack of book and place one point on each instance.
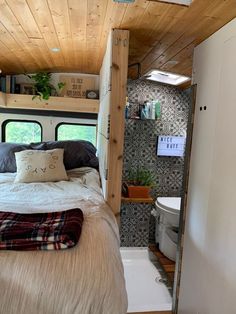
(8, 84)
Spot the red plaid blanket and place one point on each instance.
(44, 231)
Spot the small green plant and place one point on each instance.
(141, 177)
(42, 85)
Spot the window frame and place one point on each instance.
(78, 124)
(5, 122)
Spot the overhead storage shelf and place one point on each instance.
(15, 101)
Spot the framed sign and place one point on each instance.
(27, 89)
(76, 86)
(171, 145)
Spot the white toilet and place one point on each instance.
(167, 224)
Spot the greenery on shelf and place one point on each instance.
(140, 177)
(43, 88)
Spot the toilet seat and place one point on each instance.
(168, 212)
(169, 204)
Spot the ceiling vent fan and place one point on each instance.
(179, 2)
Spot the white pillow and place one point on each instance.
(40, 166)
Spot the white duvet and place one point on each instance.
(87, 279)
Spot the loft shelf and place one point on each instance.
(17, 101)
(137, 200)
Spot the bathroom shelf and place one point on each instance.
(137, 200)
(134, 119)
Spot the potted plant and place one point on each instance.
(139, 183)
(43, 88)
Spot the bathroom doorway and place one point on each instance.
(192, 92)
(140, 151)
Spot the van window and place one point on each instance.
(19, 131)
(70, 131)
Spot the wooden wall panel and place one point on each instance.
(103, 116)
(120, 47)
(113, 77)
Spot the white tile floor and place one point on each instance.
(145, 292)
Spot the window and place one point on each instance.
(20, 131)
(70, 131)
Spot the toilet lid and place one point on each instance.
(169, 203)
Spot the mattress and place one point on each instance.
(87, 279)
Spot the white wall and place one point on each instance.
(48, 123)
(208, 282)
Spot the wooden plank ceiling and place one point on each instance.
(162, 35)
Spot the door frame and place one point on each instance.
(180, 244)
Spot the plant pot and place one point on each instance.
(138, 191)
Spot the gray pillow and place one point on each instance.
(76, 153)
(7, 155)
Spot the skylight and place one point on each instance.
(124, 1)
(166, 77)
(183, 2)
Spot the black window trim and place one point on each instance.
(71, 123)
(5, 122)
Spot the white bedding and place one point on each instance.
(87, 279)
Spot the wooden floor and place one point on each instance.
(167, 265)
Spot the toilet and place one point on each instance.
(167, 224)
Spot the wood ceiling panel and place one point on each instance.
(113, 18)
(160, 33)
(189, 29)
(61, 19)
(134, 14)
(78, 23)
(17, 53)
(12, 25)
(43, 18)
(9, 57)
(23, 14)
(95, 19)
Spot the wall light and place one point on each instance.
(166, 77)
(55, 49)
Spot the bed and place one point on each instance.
(86, 279)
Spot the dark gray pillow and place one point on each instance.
(38, 146)
(76, 153)
(7, 155)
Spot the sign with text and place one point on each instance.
(171, 146)
(76, 86)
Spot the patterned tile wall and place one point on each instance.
(140, 151)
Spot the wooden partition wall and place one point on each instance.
(113, 91)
